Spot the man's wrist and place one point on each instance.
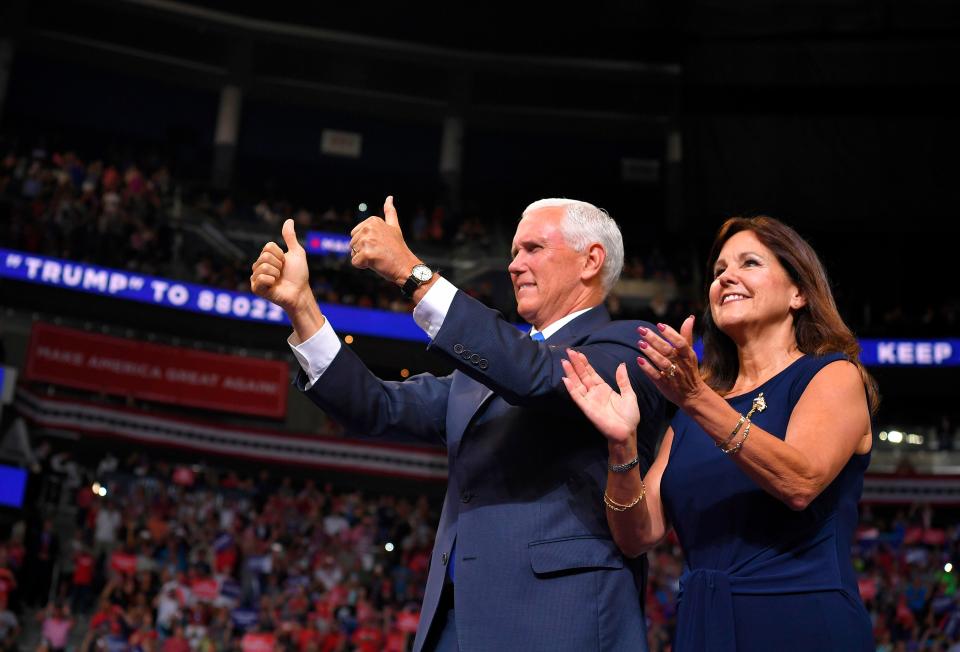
(305, 316)
(421, 291)
(403, 273)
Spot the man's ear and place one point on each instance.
(593, 262)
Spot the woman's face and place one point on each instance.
(750, 287)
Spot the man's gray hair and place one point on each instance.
(583, 224)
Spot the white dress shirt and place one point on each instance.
(317, 353)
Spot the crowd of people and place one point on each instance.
(180, 558)
(174, 557)
(904, 561)
(93, 211)
(118, 212)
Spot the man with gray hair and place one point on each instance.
(523, 558)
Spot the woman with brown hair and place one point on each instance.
(762, 468)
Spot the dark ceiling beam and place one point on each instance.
(531, 116)
(166, 60)
(340, 96)
(392, 49)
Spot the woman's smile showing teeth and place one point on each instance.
(733, 297)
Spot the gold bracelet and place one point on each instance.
(736, 449)
(759, 405)
(617, 507)
(736, 429)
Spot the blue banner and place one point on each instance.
(323, 242)
(13, 486)
(245, 306)
(157, 291)
(136, 287)
(943, 352)
(899, 352)
(244, 619)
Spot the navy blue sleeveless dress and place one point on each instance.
(758, 576)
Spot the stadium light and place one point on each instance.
(895, 437)
(388, 547)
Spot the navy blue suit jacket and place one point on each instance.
(536, 566)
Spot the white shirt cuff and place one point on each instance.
(316, 354)
(432, 309)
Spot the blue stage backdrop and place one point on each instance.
(158, 291)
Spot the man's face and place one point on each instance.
(545, 271)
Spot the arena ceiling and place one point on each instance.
(629, 63)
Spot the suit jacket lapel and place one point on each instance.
(584, 325)
(472, 396)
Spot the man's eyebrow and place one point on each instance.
(526, 242)
(515, 247)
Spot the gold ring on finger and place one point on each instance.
(672, 371)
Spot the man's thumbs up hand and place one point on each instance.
(289, 234)
(390, 213)
(378, 244)
(282, 278)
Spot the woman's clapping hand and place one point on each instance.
(614, 414)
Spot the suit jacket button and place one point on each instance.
(466, 354)
(475, 358)
(458, 348)
(443, 558)
(483, 363)
(466, 497)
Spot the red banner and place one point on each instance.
(257, 642)
(156, 372)
(123, 562)
(408, 621)
(206, 589)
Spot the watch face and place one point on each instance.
(422, 273)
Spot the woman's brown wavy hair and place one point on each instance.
(818, 327)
